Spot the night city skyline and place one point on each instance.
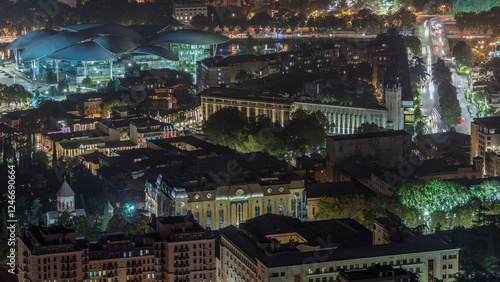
(250, 140)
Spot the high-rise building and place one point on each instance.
(173, 249)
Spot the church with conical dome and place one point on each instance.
(65, 203)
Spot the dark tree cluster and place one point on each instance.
(448, 100)
(479, 22)
(303, 134)
(21, 17)
(463, 54)
(493, 65)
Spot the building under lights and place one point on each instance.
(104, 51)
(218, 197)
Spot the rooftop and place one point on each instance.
(316, 190)
(434, 166)
(488, 121)
(382, 134)
(65, 190)
(417, 244)
(245, 95)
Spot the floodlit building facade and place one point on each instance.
(223, 199)
(103, 51)
(173, 249)
(277, 248)
(251, 103)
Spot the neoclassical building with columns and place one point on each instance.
(346, 119)
(396, 114)
(221, 199)
(251, 103)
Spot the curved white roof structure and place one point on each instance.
(157, 51)
(46, 46)
(86, 51)
(115, 44)
(25, 40)
(105, 41)
(190, 36)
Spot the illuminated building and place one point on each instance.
(65, 203)
(184, 11)
(228, 197)
(173, 249)
(279, 248)
(251, 103)
(346, 119)
(99, 50)
(485, 139)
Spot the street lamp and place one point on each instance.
(442, 7)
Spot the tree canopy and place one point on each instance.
(440, 72)
(450, 106)
(493, 65)
(369, 127)
(304, 133)
(463, 54)
(436, 203)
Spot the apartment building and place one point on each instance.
(173, 249)
(90, 107)
(485, 137)
(278, 248)
(184, 11)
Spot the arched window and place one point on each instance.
(221, 219)
(209, 219)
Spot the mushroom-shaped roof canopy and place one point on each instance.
(190, 36)
(54, 43)
(25, 40)
(147, 31)
(115, 44)
(105, 29)
(86, 51)
(157, 51)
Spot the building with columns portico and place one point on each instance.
(346, 119)
(251, 103)
(244, 187)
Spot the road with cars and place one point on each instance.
(435, 45)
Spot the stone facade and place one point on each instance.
(218, 207)
(346, 119)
